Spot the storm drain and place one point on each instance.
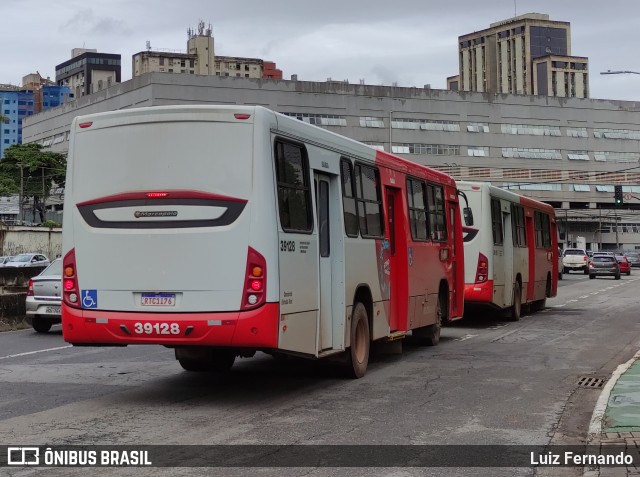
(590, 382)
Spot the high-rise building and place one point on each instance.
(88, 71)
(527, 54)
(16, 103)
(46, 93)
(200, 59)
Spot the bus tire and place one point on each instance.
(358, 352)
(41, 325)
(516, 309)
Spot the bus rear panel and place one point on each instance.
(157, 231)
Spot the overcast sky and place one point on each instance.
(411, 42)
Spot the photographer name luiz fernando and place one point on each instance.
(571, 458)
(102, 457)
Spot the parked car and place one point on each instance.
(28, 260)
(575, 259)
(633, 258)
(44, 297)
(4, 260)
(625, 266)
(604, 265)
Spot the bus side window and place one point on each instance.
(416, 200)
(496, 222)
(348, 198)
(369, 201)
(294, 197)
(543, 230)
(437, 213)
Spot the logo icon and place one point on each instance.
(160, 213)
(89, 298)
(23, 455)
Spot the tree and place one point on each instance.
(40, 170)
(4, 119)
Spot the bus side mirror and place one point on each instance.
(467, 213)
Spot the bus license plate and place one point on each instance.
(158, 299)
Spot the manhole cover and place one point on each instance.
(590, 382)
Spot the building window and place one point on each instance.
(319, 119)
(616, 156)
(369, 122)
(530, 153)
(427, 125)
(616, 134)
(161, 61)
(581, 187)
(432, 149)
(530, 129)
(478, 127)
(478, 151)
(578, 155)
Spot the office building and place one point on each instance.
(200, 59)
(88, 71)
(527, 54)
(16, 104)
(568, 152)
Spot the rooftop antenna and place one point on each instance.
(148, 45)
(515, 8)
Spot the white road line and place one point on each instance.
(571, 301)
(559, 306)
(34, 352)
(466, 337)
(584, 296)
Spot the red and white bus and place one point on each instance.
(511, 255)
(223, 230)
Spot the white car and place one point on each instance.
(28, 260)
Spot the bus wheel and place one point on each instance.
(358, 353)
(40, 325)
(516, 309)
(430, 335)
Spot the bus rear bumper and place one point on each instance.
(249, 329)
(480, 293)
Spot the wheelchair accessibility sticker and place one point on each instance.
(89, 298)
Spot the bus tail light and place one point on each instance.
(255, 282)
(482, 271)
(70, 292)
(30, 289)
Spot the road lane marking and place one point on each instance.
(584, 296)
(34, 352)
(466, 337)
(559, 306)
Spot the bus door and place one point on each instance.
(328, 251)
(398, 262)
(454, 229)
(507, 248)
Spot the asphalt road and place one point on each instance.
(487, 382)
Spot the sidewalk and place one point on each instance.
(616, 418)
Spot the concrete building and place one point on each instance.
(46, 93)
(16, 104)
(200, 59)
(88, 71)
(569, 152)
(527, 54)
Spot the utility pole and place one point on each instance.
(617, 240)
(44, 209)
(20, 165)
(600, 231)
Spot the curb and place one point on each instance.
(595, 426)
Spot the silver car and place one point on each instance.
(28, 260)
(44, 297)
(6, 259)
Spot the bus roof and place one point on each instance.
(505, 194)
